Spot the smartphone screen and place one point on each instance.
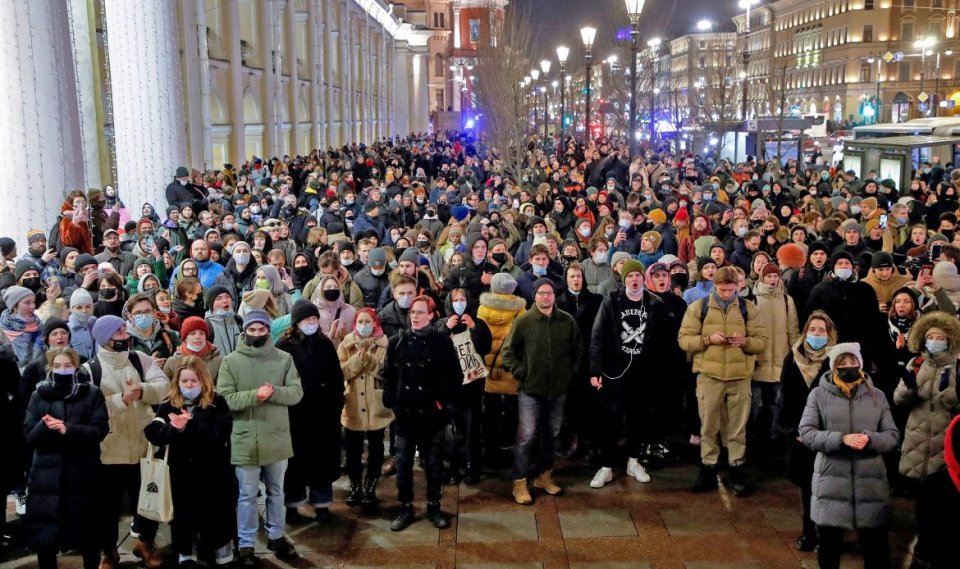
(883, 221)
(935, 251)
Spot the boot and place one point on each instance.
(370, 492)
(436, 516)
(521, 493)
(294, 517)
(246, 559)
(146, 551)
(738, 483)
(403, 519)
(545, 482)
(282, 548)
(706, 479)
(110, 559)
(356, 493)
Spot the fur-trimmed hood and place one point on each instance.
(506, 302)
(942, 320)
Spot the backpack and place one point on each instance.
(705, 305)
(96, 368)
(53, 239)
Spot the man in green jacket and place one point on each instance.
(259, 383)
(542, 351)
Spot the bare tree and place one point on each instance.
(502, 62)
(716, 99)
(775, 87)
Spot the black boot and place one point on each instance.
(356, 493)
(403, 519)
(370, 493)
(472, 476)
(706, 479)
(294, 517)
(436, 516)
(738, 483)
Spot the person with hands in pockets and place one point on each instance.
(260, 383)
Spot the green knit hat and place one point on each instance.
(631, 266)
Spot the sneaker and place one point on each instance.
(282, 548)
(403, 519)
(437, 517)
(521, 494)
(637, 470)
(21, 503)
(706, 480)
(601, 478)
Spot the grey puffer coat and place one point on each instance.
(849, 486)
(932, 406)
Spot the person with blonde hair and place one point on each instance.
(194, 423)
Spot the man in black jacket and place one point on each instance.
(181, 193)
(626, 352)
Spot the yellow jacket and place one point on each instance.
(499, 311)
(722, 361)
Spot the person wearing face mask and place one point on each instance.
(847, 422)
(802, 367)
(596, 268)
(195, 337)
(336, 315)
(260, 383)
(222, 319)
(64, 477)
(81, 323)
(946, 202)
(373, 278)
(471, 337)
(315, 420)
(928, 392)
(539, 268)
(240, 273)
(147, 334)
(194, 424)
(131, 384)
(364, 416)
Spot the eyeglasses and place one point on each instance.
(141, 313)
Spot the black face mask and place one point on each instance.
(423, 244)
(255, 341)
(500, 258)
(331, 295)
(120, 345)
(32, 283)
(848, 374)
(108, 294)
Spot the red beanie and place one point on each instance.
(193, 324)
(681, 215)
(769, 269)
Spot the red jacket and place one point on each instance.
(76, 235)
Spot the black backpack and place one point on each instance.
(96, 368)
(53, 239)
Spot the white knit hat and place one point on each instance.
(852, 348)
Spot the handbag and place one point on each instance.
(156, 496)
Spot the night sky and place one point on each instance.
(559, 21)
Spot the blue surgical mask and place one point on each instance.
(143, 321)
(539, 271)
(843, 274)
(405, 301)
(191, 393)
(936, 346)
(817, 342)
(309, 329)
(741, 231)
(459, 307)
(364, 330)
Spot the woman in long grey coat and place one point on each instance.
(847, 422)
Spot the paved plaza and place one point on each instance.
(626, 525)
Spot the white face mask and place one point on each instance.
(600, 257)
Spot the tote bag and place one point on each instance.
(156, 496)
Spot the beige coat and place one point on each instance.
(778, 316)
(363, 408)
(722, 361)
(126, 443)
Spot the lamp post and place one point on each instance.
(545, 68)
(634, 9)
(524, 84)
(654, 45)
(535, 77)
(588, 34)
(924, 44)
(562, 53)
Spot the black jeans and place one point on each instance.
(48, 559)
(354, 443)
(467, 427)
(429, 440)
(117, 481)
(874, 544)
(499, 424)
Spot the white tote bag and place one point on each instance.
(156, 495)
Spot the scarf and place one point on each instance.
(847, 388)
(205, 351)
(808, 361)
(62, 389)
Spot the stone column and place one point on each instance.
(231, 36)
(39, 115)
(86, 64)
(147, 87)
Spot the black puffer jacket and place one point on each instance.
(63, 484)
(421, 378)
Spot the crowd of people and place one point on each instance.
(275, 324)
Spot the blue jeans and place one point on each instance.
(248, 520)
(536, 413)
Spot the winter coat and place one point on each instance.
(796, 390)
(543, 352)
(854, 308)
(608, 286)
(393, 318)
(159, 341)
(371, 286)
(641, 352)
(261, 429)
(527, 278)
(225, 331)
(212, 362)
(850, 487)
(81, 335)
(125, 444)
(886, 289)
(594, 275)
(800, 284)
(63, 483)
(76, 235)
(468, 277)
(13, 403)
(315, 420)
(421, 378)
(931, 403)
(723, 362)
(202, 480)
(344, 314)
(499, 311)
(349, 289)
(235, 282)
(778, 316)
(363, 408)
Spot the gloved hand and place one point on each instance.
(909, 379)
(944, 380)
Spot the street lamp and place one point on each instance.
(654, 45)
(588, 34)
(562, 53)
(745, 4)
(704, 25)
(924, 44)
(534, 76)
(634, 9)
(545, 67)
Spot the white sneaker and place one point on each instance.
(636, 470)
(21, 504)
(601, 478)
